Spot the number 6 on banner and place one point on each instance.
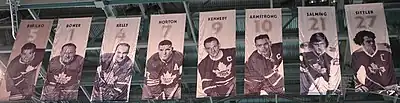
(266, 26)
(217, 26)
(314, 25)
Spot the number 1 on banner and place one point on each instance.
(71, 35)
(166, 29)
(264, 25)
(315, 22)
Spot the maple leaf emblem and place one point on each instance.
(223, 70)
(374, 68)
(167, 78)
(62, 78)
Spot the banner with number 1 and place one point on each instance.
(370, 48)
(164, 57)
(319, 52)
(66, 60)
(264, 54)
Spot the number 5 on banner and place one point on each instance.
(315, 22)
(32, 35)
(264, 25)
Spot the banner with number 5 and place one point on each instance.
(25, 60)
(66, 60)
(216, 54)
(370, 47)
(164, 57)
(114, 74)
(263, 52)
(319, 53)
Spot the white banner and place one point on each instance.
(263, 52)
(319, 51)
(164, 57)
(67, 58)
(216, 54)
(370, 47)
(112, 83)
(25, 60)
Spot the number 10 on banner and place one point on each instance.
(263, 25)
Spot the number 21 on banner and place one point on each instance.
(264, 25)
(317, 23)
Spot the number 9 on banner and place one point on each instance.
(264, 25)
(216, 26)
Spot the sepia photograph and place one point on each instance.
(263, 53)
(114, 74)
(66, 60)
(164, 57)
(26, 59)
(371, 55)
(319, 52)
(217, 54)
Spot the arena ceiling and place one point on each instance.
(101, 9)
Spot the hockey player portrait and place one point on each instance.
(163, 73)
(262, 68)
(319, 71)
(372, 64)
(216, 70)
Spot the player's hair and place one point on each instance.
(68, 44)
(209, 39)
(317, 37)
(123, 44)
(262, 36)
(28, 46)
(359, 38)
(165, 42)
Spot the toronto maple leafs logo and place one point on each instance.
(167, 78)
(62, 78)
(223, 70)
(373, 68)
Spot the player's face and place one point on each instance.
(121, 53)
(68, 54)
(319, 47)
(27, 55)
(212, 48)
(369, 43)
(263, 45)
(165, 51)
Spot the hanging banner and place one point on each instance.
(369, 43)
(164, 57)
(25, 60)
(66, 60)
(216, 54)
(114, 74)
(319, 51)
(263, 52)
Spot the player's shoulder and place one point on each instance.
(254, 55)
(230, 51)
(277, 45)
(384, 47)
(178, 54)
